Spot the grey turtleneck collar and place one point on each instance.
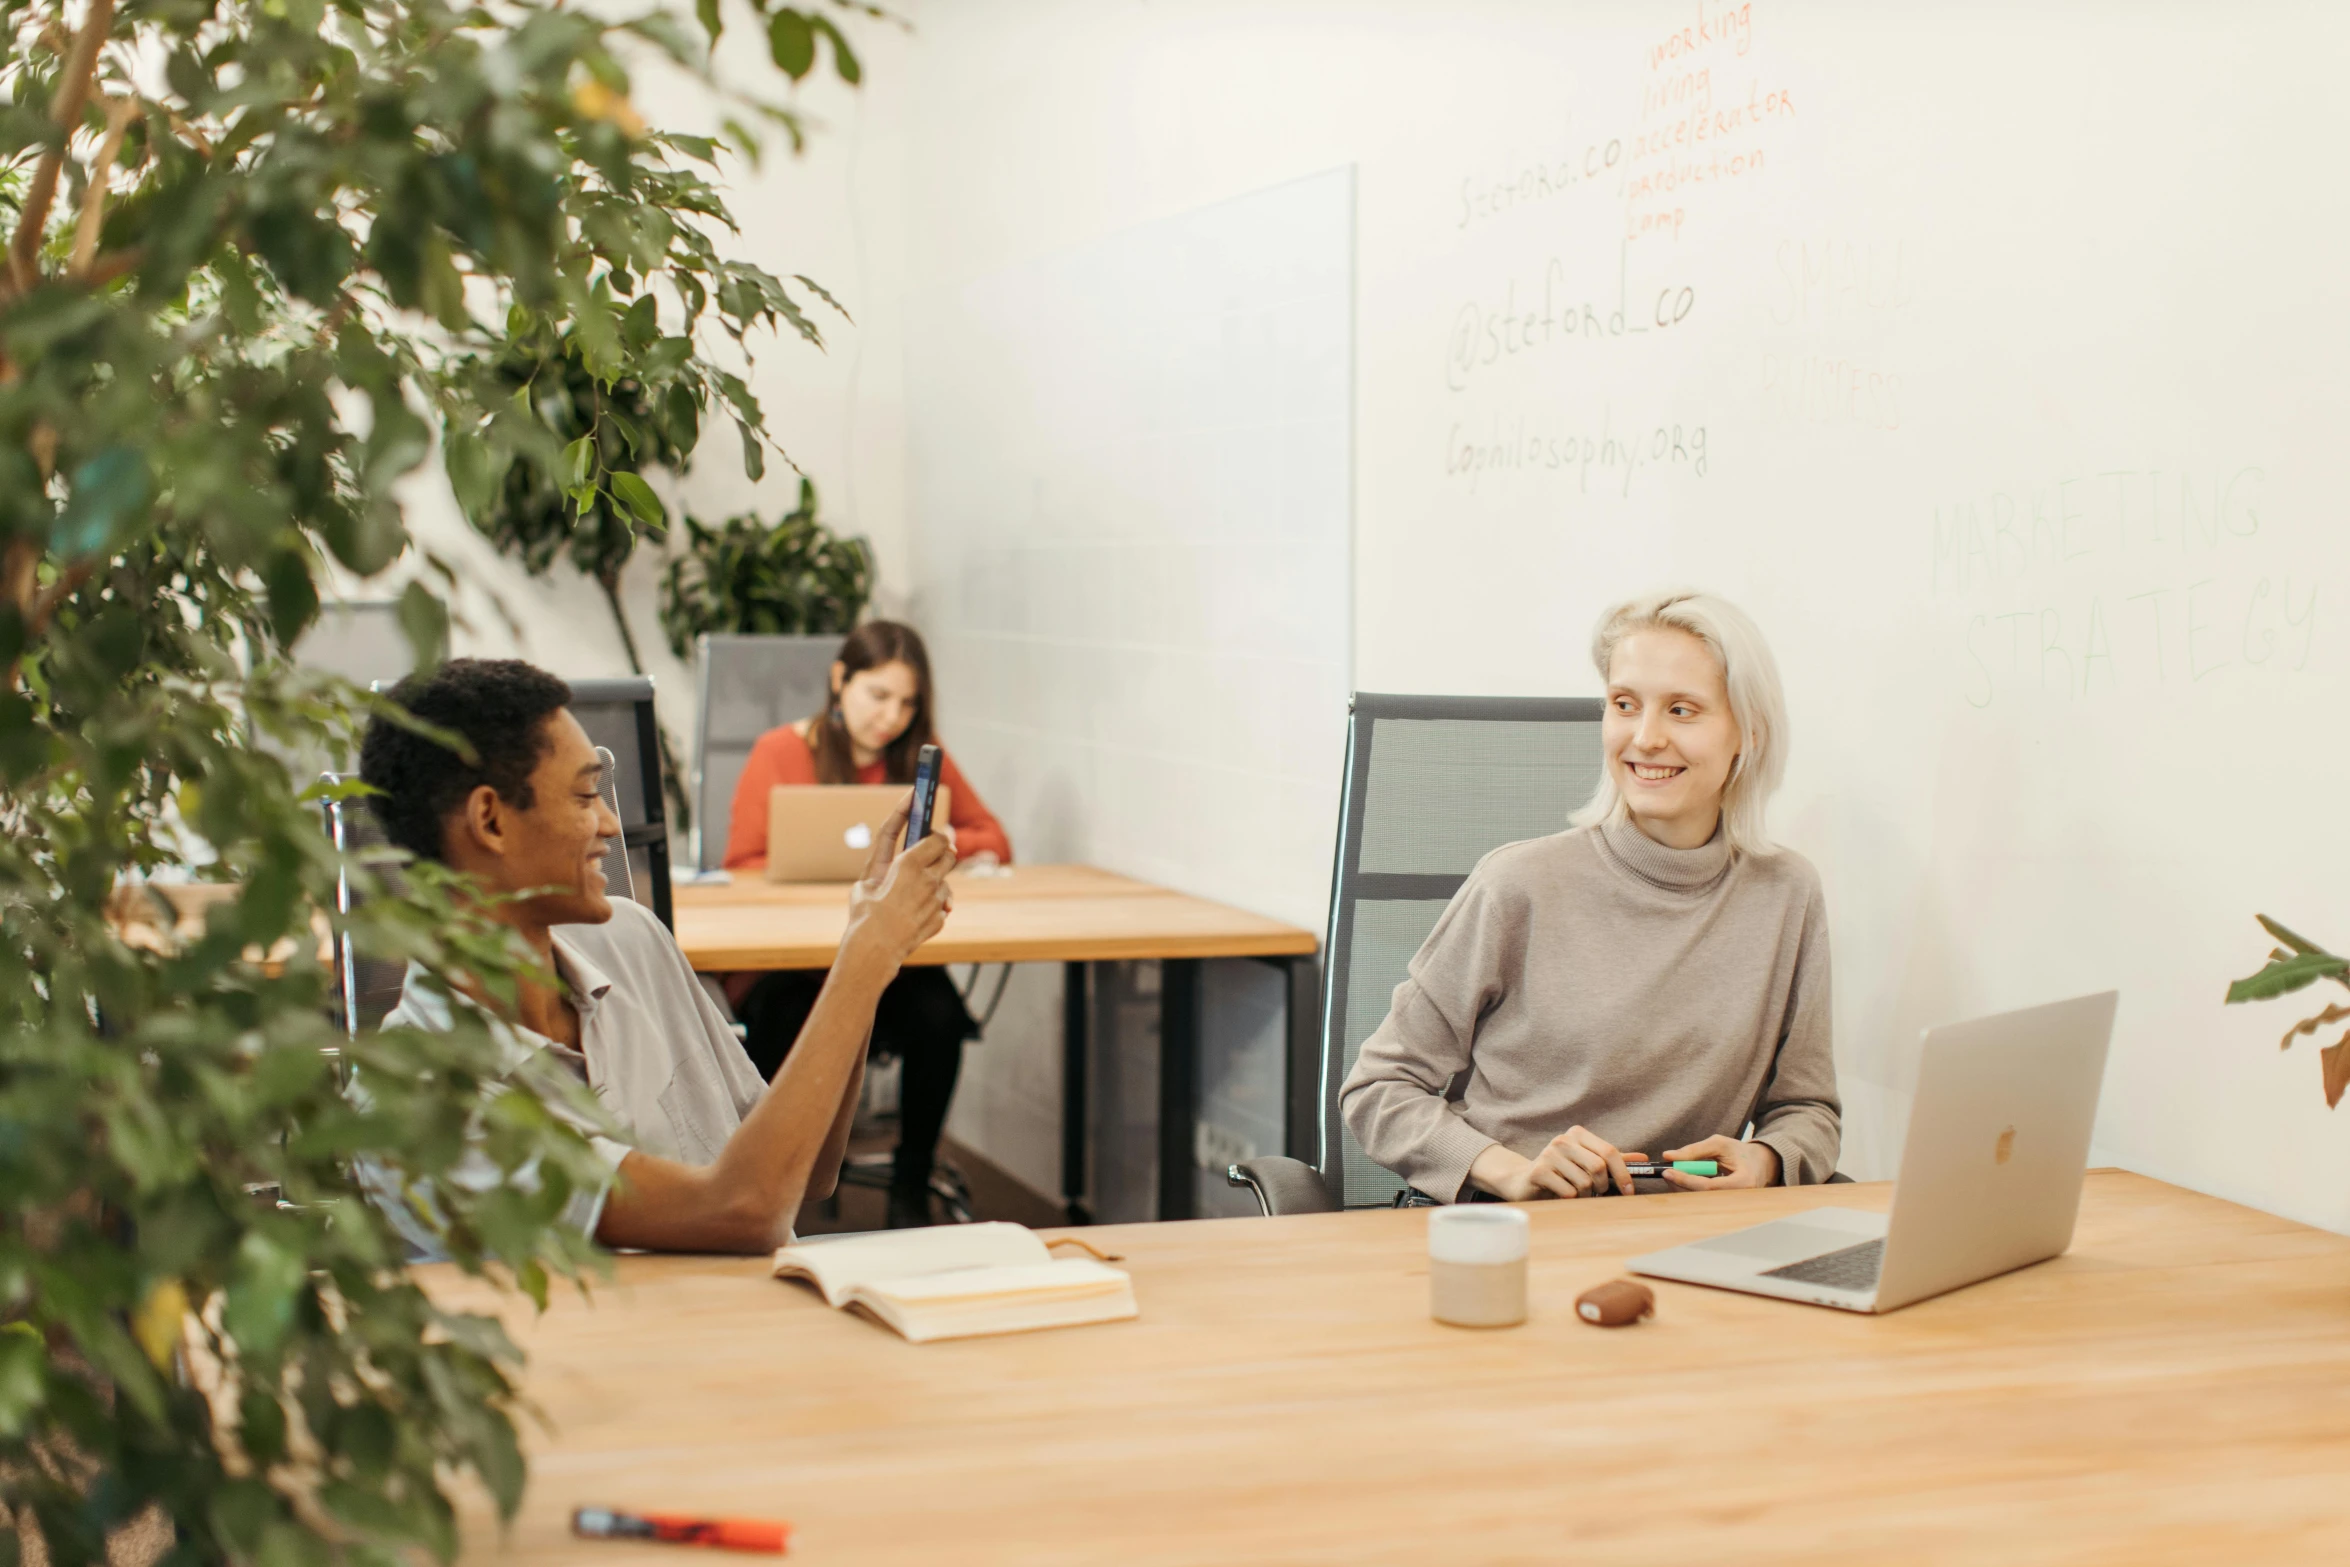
(1675, 870)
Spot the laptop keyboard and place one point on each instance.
(1853, 1268)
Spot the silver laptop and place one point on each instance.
(1990, 1177)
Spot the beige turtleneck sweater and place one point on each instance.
(1597, 978)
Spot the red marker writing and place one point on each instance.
(728, 1534)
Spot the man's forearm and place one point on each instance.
(824, 1179)
(789, 1145)
(765, 1166)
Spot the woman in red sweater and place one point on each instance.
(880, 716)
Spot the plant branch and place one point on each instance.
(73, 92)
(188, 133)
(119, 114)
(105, 269)
(24, 558)
(17, 574)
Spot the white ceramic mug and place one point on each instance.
(1477, 1265)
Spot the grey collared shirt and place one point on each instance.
(654, 1048)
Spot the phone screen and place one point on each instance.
(925, 792)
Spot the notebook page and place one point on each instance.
(836, 1267)
(1036, 1281)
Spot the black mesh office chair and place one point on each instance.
(1432, 784)
(748, 686)
(618, 717)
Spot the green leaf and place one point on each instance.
(2287, 975)
(22, 1356)
(261, 1293)
(293, 598)
(109, 496)
(240, 296)
(640, 324)
(444, 288)
(2297, 943)
(579, 461)
(424, 619)
(473, 472)
(706, 12)
(665, 358)
(792, 41)
(396, 442)
(662, 30)
(844, 59)
(634, 493)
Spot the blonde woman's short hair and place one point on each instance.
(1757, 706)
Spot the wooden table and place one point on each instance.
(2175, 1389)
(1071, 914)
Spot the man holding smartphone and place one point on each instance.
(716, 1159)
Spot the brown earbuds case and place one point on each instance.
(1615, 1304)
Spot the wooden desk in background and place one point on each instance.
(1070, 914)
(2175, 1389)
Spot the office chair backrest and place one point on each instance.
(749, 685)
(618, 717)
(1432, 784)
(365, 988)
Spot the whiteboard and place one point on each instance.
(1994, 360)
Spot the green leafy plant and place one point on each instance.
(2294, 965)
(598, 506)
(254, 254)
(793, 577)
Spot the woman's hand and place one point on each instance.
(902, 900)
(1576, 1163)
(1743, 1164)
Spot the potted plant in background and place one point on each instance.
(795, 577)
(781, 595)
(2294, 965)
(251, 254)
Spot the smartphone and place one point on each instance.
(925, 795)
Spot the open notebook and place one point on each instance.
(960, 1280)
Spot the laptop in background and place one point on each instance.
(825, 832)
(1990, 1177)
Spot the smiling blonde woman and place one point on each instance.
(1652, 983)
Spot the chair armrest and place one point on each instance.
(1282, 1185)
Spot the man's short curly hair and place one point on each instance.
(500, 705)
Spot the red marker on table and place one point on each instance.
(730, 1534)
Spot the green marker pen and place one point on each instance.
(1706, 1167)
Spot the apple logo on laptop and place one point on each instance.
(860, 836)
(2006, 1149)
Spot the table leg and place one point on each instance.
(1302, 1069)
(1179, 1039)
(1076, 995)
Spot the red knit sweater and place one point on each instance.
(782, 757)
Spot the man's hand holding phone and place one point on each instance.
(903, 898)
